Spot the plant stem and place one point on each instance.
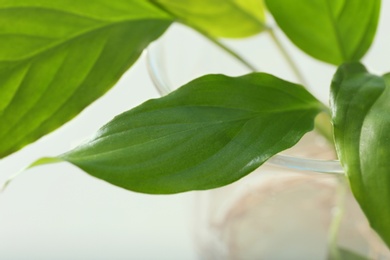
(208, 36)
(324, 127)
(322, 122)
(230, 51)
(337, 217)
(288, 58)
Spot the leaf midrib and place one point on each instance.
(30, 59)
(102, 26)
(231, 3)
(268, 151)
(85, 33)
(100, 139)
(50, 10)
(368, 27)
(63, 102)
(251, 16)
(336, 31)
(262, 111)
(254, 115)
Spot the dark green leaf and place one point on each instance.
(56, 57)
(209, 133)
(361, 118)
(219, 18)
(333, 31)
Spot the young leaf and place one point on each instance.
(209, 133)
(219, 18)
(334, 31)
(56, 57)
(360, 108)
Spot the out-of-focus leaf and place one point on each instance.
(334, 31)
(219, 18)
(361, 118)
(209, 133)
(56, 57)
(345, 254)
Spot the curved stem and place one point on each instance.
(209, 37)
(230, 51)
(322, 122)
(288, 59)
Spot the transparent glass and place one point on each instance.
(286, 209)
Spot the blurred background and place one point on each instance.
(59, 212)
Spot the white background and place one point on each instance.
(59, 212)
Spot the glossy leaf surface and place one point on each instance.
(219, 18)
(209, 133)
(361, 118)
(334, 31)
(56, 57)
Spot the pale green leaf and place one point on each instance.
(56, 57)
(334, 31)
(209, 133)
(219, 18)
(361, 118)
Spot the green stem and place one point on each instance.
(323, 121)
(230, 51)
(288, 58)
(322, 124)
(324, 127)
(337, 217)
(208, 36)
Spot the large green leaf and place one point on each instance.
(219, 18)
(361, 118)
(56, 57)
(209, 133)
(333, 31)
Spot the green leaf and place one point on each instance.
(345, 254)
(209, 133)
(334, 31)
(57, 57)
(218, 18)
(360, 107)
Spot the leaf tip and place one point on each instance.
(40, 161)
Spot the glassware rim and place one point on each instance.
(297, 163)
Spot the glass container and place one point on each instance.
(295, 206)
